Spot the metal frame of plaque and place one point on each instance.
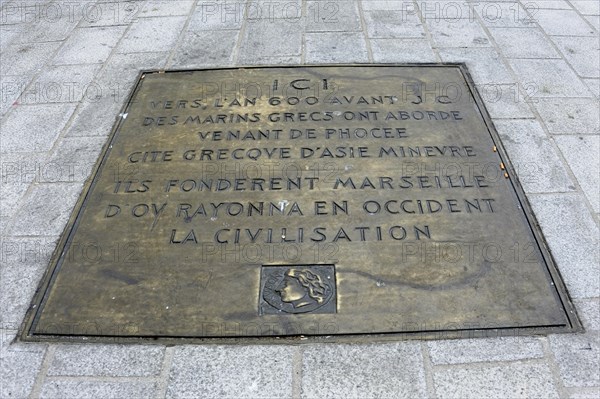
(171, 277)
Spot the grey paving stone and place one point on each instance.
(582, 155)
(572, 236)
(53, 389)
(588, 310)
(270, 39)
(550, 78)
(587, 7)
(570, 115)
(402, 50)
(563, 23)
(550, 5)
(8, 34)
(458, 33)
(162, 8)
(31, 128)
(578, 358)
(62, 84)
(20, 275)
(485, 350)
(513, 380)
(283, 60)
(485, 64)
(11, 88)
(523, 43)
(507, 14)
(95, 118)
(331, 47)
(593, 85)
(45, 210)
(390, 5)
(593, 20)
(266, 10)
(211, 16)
(583, 53)
(363, 371)
(76, 157)
(152, 35)
(122, 70)
(204, 48)
(50, 29)
(110, 13)
(107, 360)
(393, 24)
(584, 393)
(18, 367)
(26, 58)
(89, 45)
(531, 152)
(260, 372)
(329, 16)
(505, 100)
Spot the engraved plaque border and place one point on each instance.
(32, 314)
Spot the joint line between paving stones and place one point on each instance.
(490, 363)
(427, 32)
(235, 56)
(363, 25)
(181, 35)
(161, 390)
(41, 376)
(558, 383)
(428, 370)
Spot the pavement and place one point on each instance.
(66, 69)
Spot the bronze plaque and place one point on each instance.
(323, 201)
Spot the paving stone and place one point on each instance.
(512, 380)
(507, 14)
(53, 389)
(266, 10)
(87, 122)
(550, 5)
(549, 78)
(283, 60)
(588, 310)
(8, 33)
(107, 360)
(572, 236)
(110, 13)
(523, 43)
(331, 47)
(89, 45)
(578, 358)
(11, 88)
(122, 70)
(202, 49)
(26, 58)
(393, 24)
(328, 16)
(363, 371)
(582, 155)
(162, 8)
(485, 350)
(211, 16)
(586, 7)
(19, 366)
(563, 23)
(152, 35)
(270, 39)
(593, 85)
(76, 157)
(48, 30)
(20, 275)
(389, 5)
(485, 64)
(46, 210)
(402, 50)
(505, 100)
(584, 393)
(531, 152)
(593, 20)
(458, 33)
(62, 84)
(34, 127)
(583, 53)
(570, 115)
(206, 371)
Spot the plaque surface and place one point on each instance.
(322, 201)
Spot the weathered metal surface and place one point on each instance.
(301, 201)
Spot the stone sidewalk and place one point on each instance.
(66, 69)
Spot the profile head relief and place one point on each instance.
(298, 284)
